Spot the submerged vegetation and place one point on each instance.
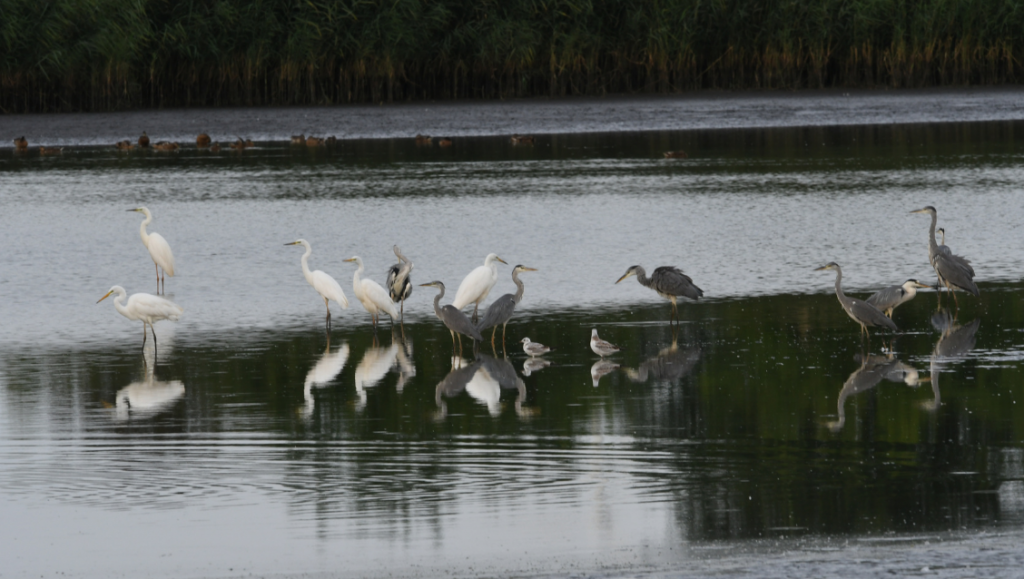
(64, 55)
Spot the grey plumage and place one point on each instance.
(860, 311)
(892, 297)
(954, 271)
(452, 318)
(669, 281)
(399, 282)
(500, 312)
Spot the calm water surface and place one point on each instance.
(256, 443)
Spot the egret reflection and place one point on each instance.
(147, 398)
(323, 373)
(376, 363)
(483, 380)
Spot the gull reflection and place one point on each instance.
(322, 373)
(600, 368)
(873, 369)
(531, 365)
(376, 363)
(670, 365)
(147, 398)
(955, 341)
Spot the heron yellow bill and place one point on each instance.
(625, 275)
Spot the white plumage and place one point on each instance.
(145, 308)
(158, 247)
(324, 284)
(475, 287)
(371, 294)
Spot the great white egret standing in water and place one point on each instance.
(145, 308)
(370, 293)
(158, 248)
(325, 285)
(475, 287)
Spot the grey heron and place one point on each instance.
(500, 312)
(475, 286)
(534, 348)
(894, 296)
(954, 271)
(873, 369)
(670, 365)
(861, 312)
(601, 347)
(399, 282)
(452, 318)
(670, 283)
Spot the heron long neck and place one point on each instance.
(933, 247)
(437, 302)
(519, 287)
(305, 264)
(839, 286)
(142, 228)
(641, 276)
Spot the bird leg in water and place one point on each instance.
(144, 336)
(453, 341)
(493, 332)
(475, 306)
(328, 322)
(157, 268)
(459, 336)
(503, 326)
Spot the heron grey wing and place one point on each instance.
(959, 341)
(887, 298)
(498, 312)
(869, 315)
(671, 281)
(962, 262)
(393, 291)
(457, 321)
(956, 273)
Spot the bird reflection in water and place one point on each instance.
(873, 369)
(147, 398)
(483, 380)
(376, 363)
(670, 365)
(601, 368)
(954, 342)
(403, 361)
(322, 373)
(531, 365)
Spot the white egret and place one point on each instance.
(158, 248)
(371, 294)
(145, 308)
(324, 284)
(147, 398)
(475, 287)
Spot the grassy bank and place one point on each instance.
(64, 55)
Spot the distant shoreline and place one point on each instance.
(699, 110)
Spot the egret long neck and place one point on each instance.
(520, 288)
(305, 264)
(142, 228)
(358, 275)
(119, 306)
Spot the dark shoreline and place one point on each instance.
(619, 113)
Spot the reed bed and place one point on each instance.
(91, 55)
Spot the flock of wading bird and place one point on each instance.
(954, 273)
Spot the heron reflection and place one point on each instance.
(670, 365)
(483, 380)
(873, 369)
(323, 373)
(954, 342)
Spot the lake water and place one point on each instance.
(760, 437)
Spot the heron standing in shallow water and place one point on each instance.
(861, 312)
(399, 282)
(894, 296)
(670, 283)
(453, 318)
(500, 312)
(954, 271)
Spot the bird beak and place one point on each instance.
(821, 268)
(293, 243)
(349, 259)
(132, 210)
(426, 285)
(528, 269)
(624, 276)
(919, 211)
(501, 260)
(104, 297)
(925, 379)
